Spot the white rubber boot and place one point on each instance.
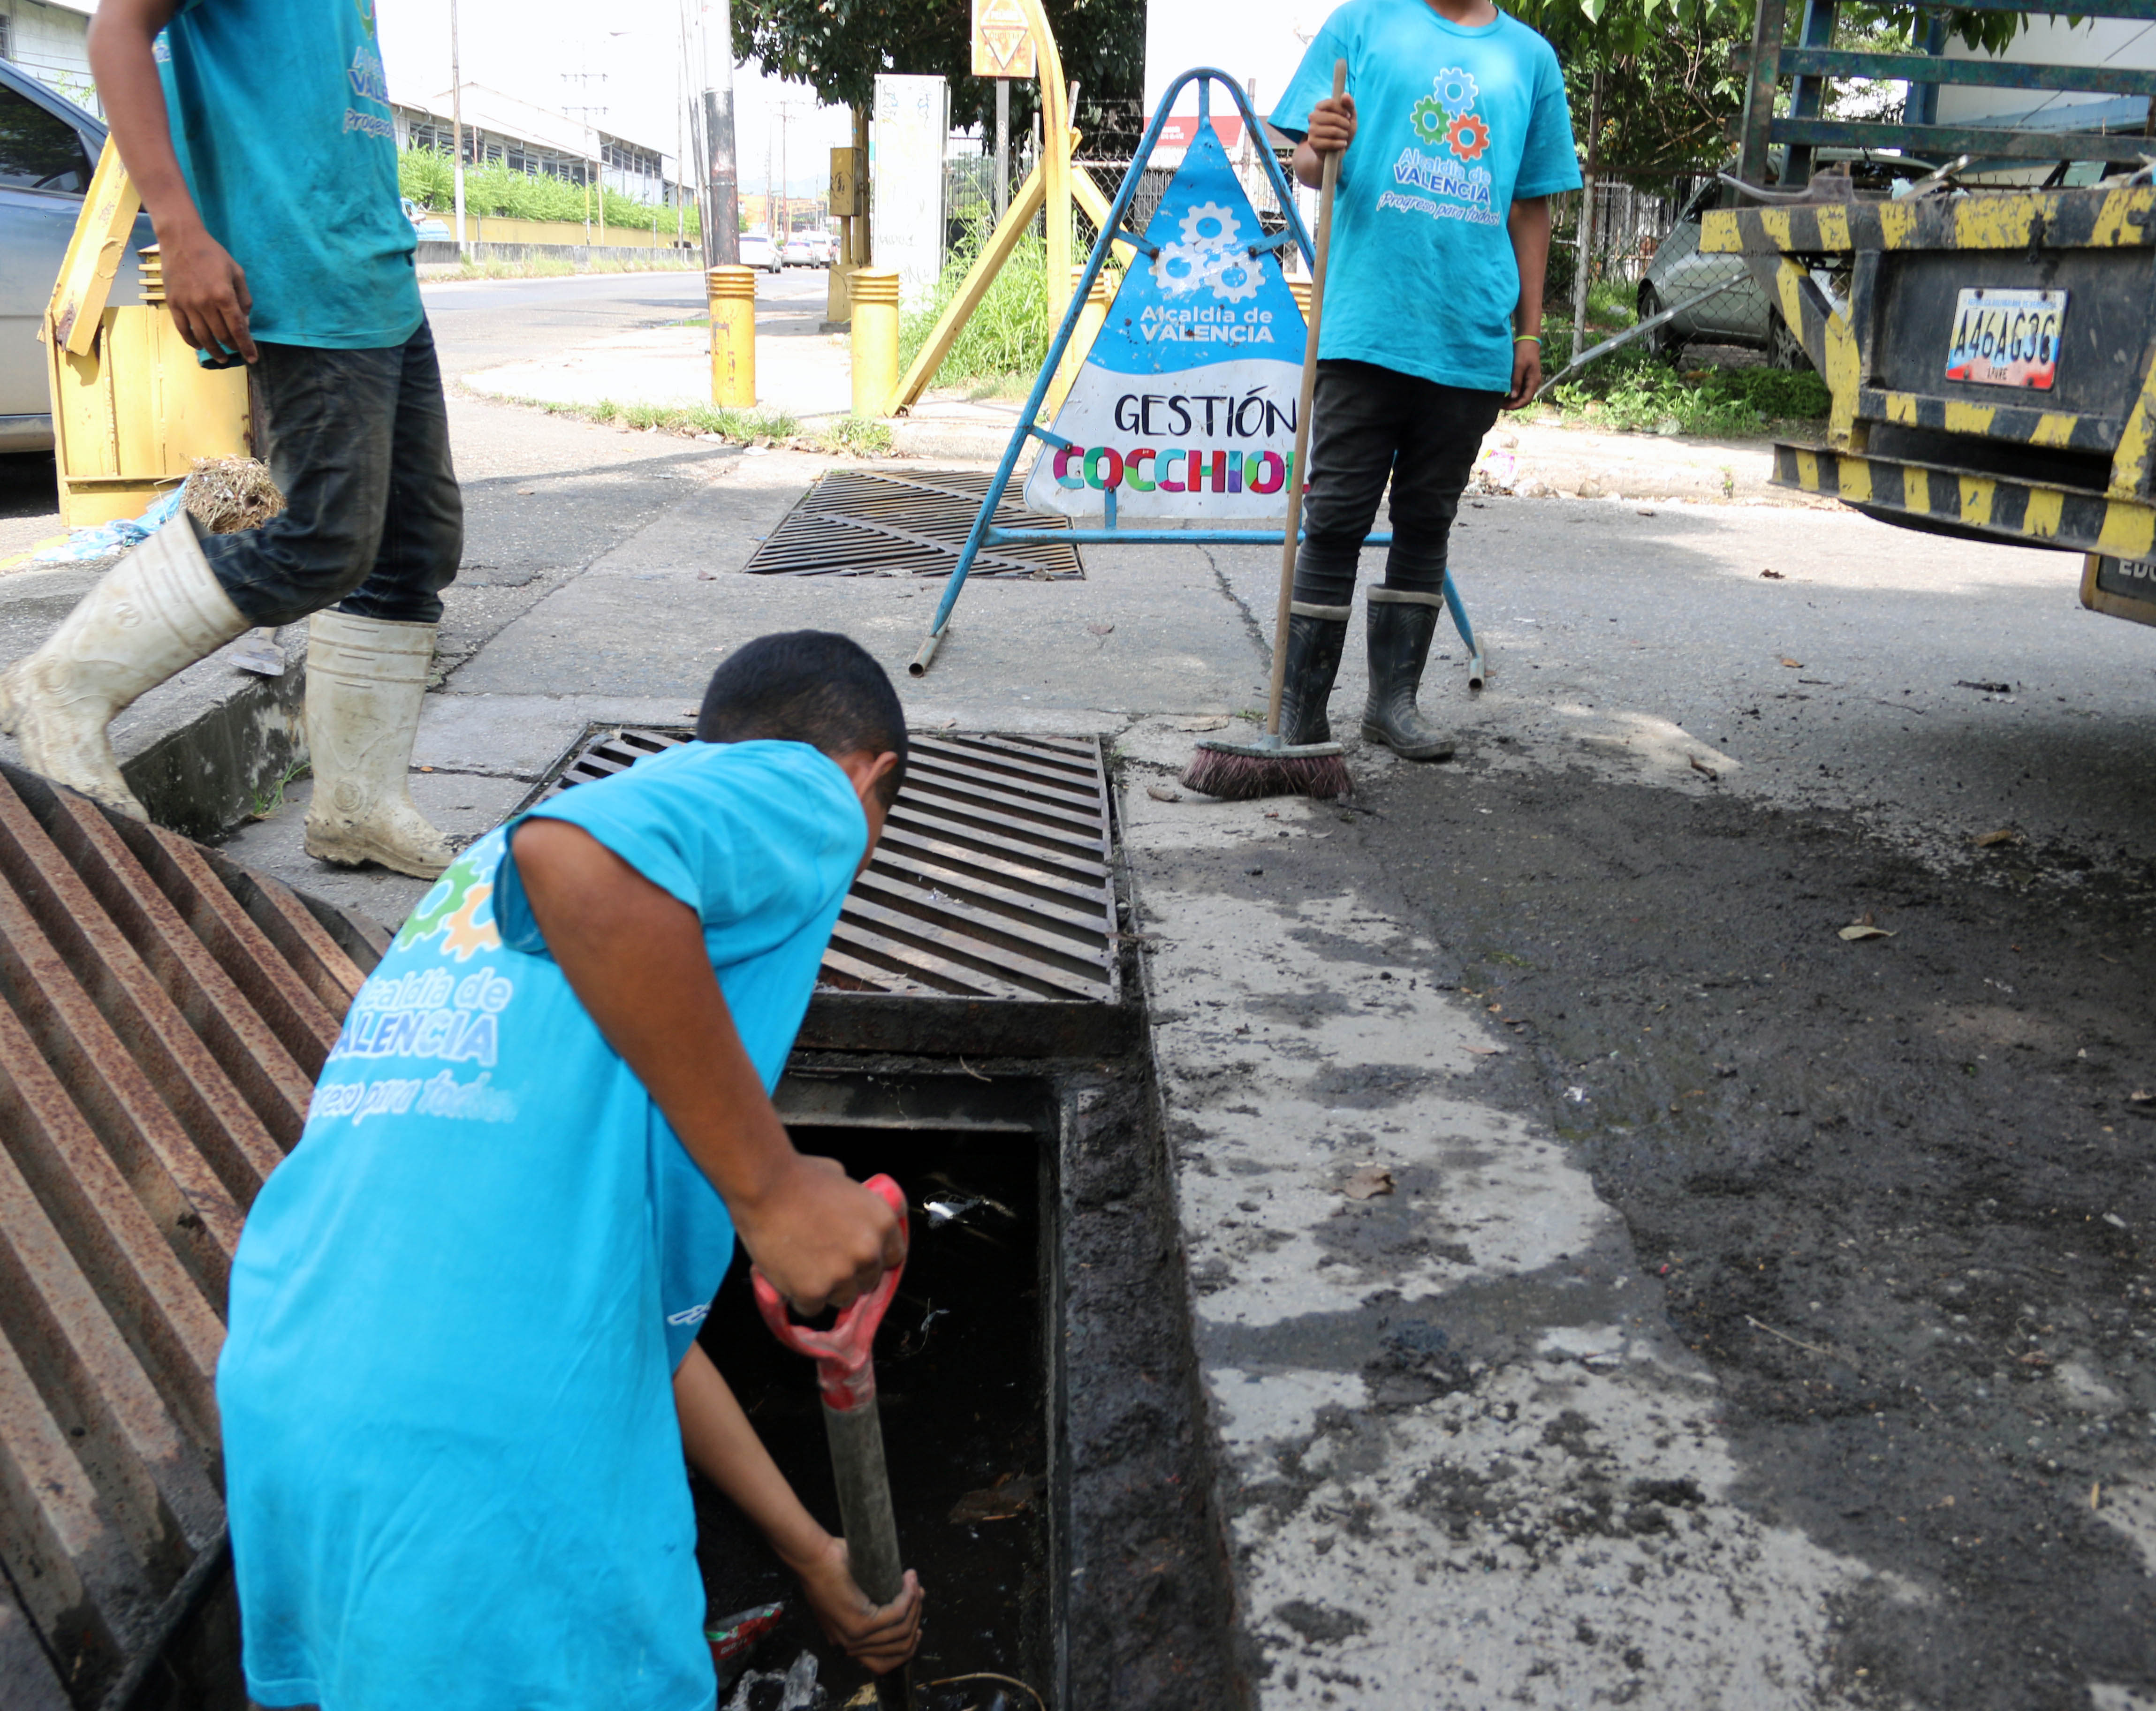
(366, 678)
(156, 612)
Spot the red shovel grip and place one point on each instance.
(845, 1366)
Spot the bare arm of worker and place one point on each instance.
(204, 287)
(1529, 225)
(723, 1446)
(635, 957)
(1332, 126)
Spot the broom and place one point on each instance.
(1240, 771)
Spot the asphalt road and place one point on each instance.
(481, 323)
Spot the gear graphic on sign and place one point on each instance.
(1455, 90)
(1182, 268)
(1224, 226)
(1235, 278)
(1429, 119)
(1469, 136)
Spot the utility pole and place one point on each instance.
(457, 131)
(721, 214)
(785, 214)
(1003, 148)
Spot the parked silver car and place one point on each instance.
(48, 148)
(1741, 315)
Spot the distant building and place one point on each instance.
(49, 39)
(528, 138)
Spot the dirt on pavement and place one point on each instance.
(1895, 1190)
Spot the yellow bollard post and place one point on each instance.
(1301, 288)
(1090, 319)
(732, 292)
(874, 339)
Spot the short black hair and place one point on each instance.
(808, 686)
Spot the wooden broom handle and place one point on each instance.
(1330, 178)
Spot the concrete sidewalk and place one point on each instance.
(807, 374)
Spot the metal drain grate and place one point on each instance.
(866, 523)
(163, 1015)
(992, 881)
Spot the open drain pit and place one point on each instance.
(964, 1392)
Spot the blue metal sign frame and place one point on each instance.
(986, 532)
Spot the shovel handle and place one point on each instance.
(845, 1366)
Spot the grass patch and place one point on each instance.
(1004, 343)
(428, 177)
(852, 437)
(1631, 393)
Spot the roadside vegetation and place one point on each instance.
(848, 437)
(1632, 393)
(1000, 349)
(428, 177)
(551, 267)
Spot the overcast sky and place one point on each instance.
(625, 57)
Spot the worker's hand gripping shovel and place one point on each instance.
(846, 1370)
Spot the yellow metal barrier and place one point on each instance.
(732, 292)
(1090, 319)
(132, 409)
(874, 339)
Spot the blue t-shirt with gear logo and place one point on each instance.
(453, 1469)
(1452, 126)
(280, 118)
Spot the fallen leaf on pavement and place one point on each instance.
(1992, 840)
(1205, 722)
(2141, 1096)
(1099, 630)
(1774, 576)
(1793, 664)
(1865, 929)
(1161, 793)
(1369, 1181)
(1700, 766)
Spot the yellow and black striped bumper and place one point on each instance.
(2023, 512)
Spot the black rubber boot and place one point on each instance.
(1315, 635)
(1400, 625)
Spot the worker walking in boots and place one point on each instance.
(260, 133)
(1457, 133)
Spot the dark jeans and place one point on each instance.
(373, 524)
(1368, 423)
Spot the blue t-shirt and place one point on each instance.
(281, 121)
(1452, 126)
(453, 1469)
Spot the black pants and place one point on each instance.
(1367, 425)
(358, 442)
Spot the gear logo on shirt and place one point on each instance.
(1209, 253)
(454, 908)
(1446, 117)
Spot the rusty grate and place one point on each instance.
(866, 523)
(993, 881)
(163, 1015)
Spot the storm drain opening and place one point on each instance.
(963, 1388)
(876, 523)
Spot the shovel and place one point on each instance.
(845, 1372)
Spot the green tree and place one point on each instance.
(837, 47)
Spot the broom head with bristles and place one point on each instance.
(1242, 772)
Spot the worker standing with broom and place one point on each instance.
(1453, 135)
(261, 136)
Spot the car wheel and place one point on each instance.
(1783, 348)
(1658, 344)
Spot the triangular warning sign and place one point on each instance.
(1186, 404)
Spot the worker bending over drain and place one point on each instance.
(462, 1365)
